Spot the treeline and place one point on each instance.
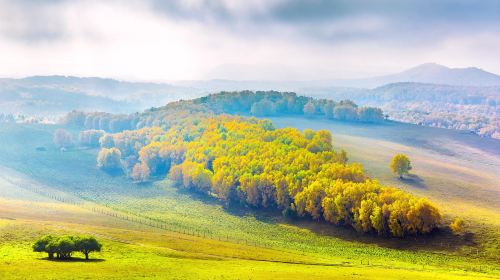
(467, 108)
(99, 121)
(62, 247)
(259, 104)
(248, 161)
(272, 103)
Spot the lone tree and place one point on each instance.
(87, 244)
(401, 165)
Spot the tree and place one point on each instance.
(62, 138)
(107, 141)
(64, 246)
(109, 159)
(87, 245)
(263, 108)
(370, 114)
(309, 109)
(345, 113)
(141, 172)
(400, 165)
(90, 137)
(42, 245)
(457, 226)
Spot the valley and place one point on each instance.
(246, 233)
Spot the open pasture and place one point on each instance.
(202, 226)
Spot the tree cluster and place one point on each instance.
(259, 104)
(62, 247)
(467, 108)
(273, 103)
(248, 161)
(99, 121)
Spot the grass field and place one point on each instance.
(195, 237)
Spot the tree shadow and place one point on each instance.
(414, 181)
(73, 259)
(440, 239)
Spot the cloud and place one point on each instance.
(31, 21)
(167, 40)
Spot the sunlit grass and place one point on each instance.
(269, 236)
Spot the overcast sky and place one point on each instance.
(260, 39)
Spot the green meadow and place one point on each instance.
(159, 231)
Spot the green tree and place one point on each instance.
(64, 246)
(42, 245)
(400, 165)
(309, 109)
(87, 245)
(263, 108)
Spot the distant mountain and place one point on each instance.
(53, 95)
(432, 73)
(116, 89)
(52, 102)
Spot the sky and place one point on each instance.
(152, 40)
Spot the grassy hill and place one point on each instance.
(158, 230)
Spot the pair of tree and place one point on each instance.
(64, 246)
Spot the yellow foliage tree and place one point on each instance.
(400, 165)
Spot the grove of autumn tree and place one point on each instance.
(400, 165)
(248, 161)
